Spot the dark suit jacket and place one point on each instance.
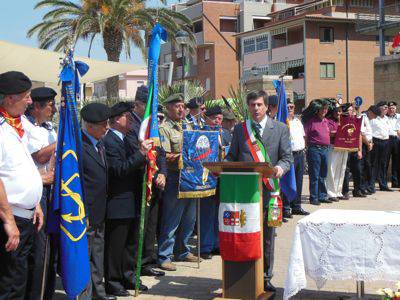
(122, 165)
(94, 182)
(275, 139)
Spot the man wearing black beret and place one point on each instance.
(20, 188)
(196, 110)
(393, 151)
(94, 127)
(120, 230)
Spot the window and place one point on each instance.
(262, 42)
(227, 24)
(207, 85)
(167, 57)
(197, 26)
(362, 3)
(326, 35)
(207, 55)
(249, 45)
(327, 70)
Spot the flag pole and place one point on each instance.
(141, 234)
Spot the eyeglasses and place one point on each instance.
(290, 106)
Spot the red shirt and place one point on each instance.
(317, 131)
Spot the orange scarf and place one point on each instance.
(13, 122)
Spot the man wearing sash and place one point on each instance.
(262, 139)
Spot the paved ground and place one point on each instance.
(188, 282)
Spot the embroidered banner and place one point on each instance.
(348, 134)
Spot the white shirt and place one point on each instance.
(394, 124)
(22, 181)
(380, 128)
(297, 135)
(366, 129)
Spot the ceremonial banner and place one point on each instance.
(348, 134)
(67, 215)
(198, 147)
(239, 217)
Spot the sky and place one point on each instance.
(18, 16)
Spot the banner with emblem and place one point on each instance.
(198, 147)
(239, 217)
(348, 134)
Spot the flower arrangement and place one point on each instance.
(389, 294)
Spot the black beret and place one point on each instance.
(374, 109)
(142, 94)
(195, 102)
(175, 98)
(381, 103)
(212, 111)
(95, 112)
(119, 108)
(42, 94)
(273, 100)
(345, 107)
(392, 103)
(13, 82)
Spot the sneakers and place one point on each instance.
(168, 266)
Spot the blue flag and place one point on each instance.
(288, 181)
(67, 215)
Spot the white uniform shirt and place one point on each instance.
(366, 129)
(297, 135)
(380, 128)
(22, 181)
(394, 124)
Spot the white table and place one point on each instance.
(335, 244)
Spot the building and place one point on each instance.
(317, 43)
(128, 84)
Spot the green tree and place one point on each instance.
(121, 23)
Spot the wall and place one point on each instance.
(362, 51)
(387, 78)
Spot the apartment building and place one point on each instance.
(317, 43)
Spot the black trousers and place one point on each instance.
(379, 163)
(14, 265)
(366, 170)
(353, 167)
(95, 235)
(120, 239)
(269, 239)
(393, 153)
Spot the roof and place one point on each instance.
(44, 66)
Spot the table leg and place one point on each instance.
(360, 290)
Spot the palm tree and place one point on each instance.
(192, 88)
(121, 23)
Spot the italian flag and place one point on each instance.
(239, 217)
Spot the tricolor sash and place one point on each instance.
(259, 154)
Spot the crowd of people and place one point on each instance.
(114, 158)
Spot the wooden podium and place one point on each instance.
(244, 280)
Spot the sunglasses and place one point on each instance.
(290, 106)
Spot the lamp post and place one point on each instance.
(182, 38)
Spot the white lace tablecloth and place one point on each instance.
(334, 244)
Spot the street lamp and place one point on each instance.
(254, 71)
(182, 38)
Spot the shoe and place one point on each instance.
(190, 258)
(345, 197)
(119, 293)
(106, 297)
(285, 220)
(358, 194)
(300, 212)
(168, 266)
(216, 252)
(287, 214)
(325, 201)
(268, 287)
(206, 255)
(315, 203)
(365, 192)
(386, 189)
(132, 286)
(148, 271)
(333, 199)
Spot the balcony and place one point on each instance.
(369, 22)
(287, 53)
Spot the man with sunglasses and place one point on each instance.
(196, 108)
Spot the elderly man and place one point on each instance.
(175, 212)
(274, 136)
(21, 188)
(196, 110)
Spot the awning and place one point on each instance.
(44, 66)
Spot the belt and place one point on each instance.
(22, 212)
(298, 151)
(319, 146)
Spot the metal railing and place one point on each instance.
(370, 21)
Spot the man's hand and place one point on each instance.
(145, 146)
(12, 232)
(370, 146)
(38, 217)
(172, 156)
(47, 177)
(359, 154)
(278, 172)
(160, 181)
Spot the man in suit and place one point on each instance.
(120, 233)
(94, 127)
(274, 136)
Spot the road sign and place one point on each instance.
(339, 98)
(358, 100)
